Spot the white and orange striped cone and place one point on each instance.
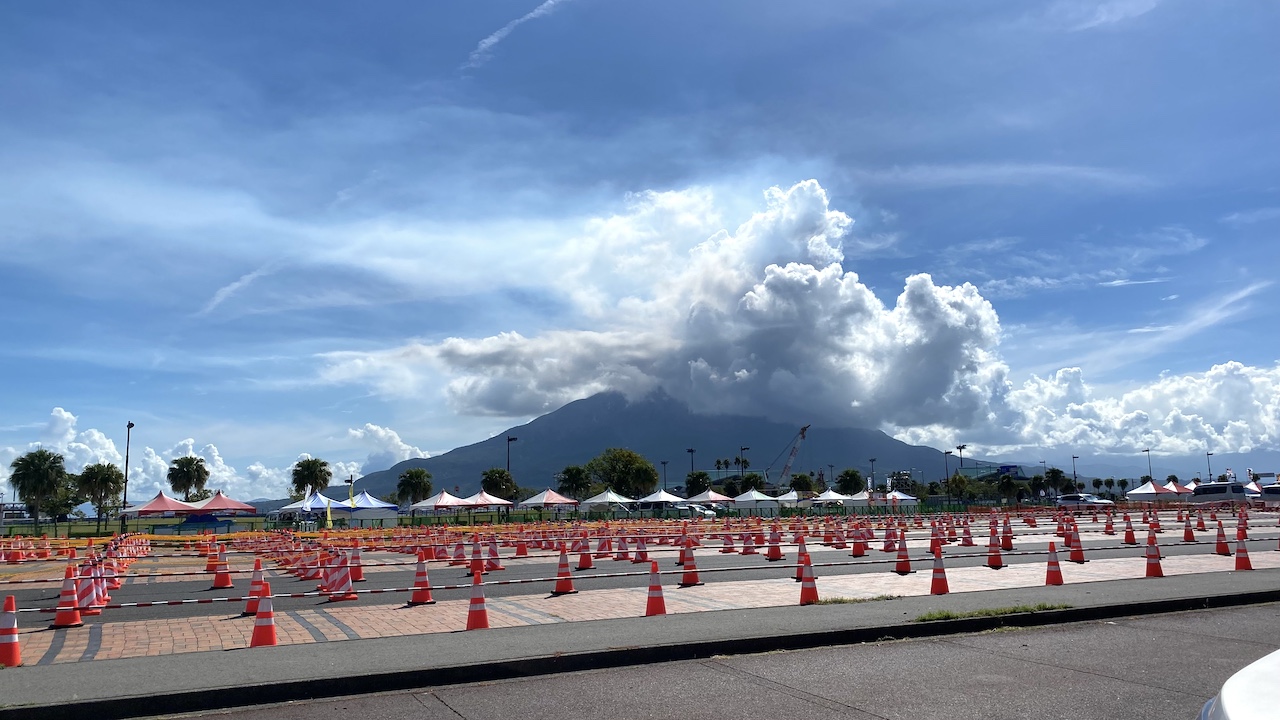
(624, 550)
(264, 623)
(656, 605)
(1077, 549)
(774, 551)
(1129, 537)
(938, 586)
(477, 612)
(728, 544)
(584, 558)
(1187, 534)
(1221, 546)
(858, 547)
(1151, 542)
(808, 585)
(477, 561)
(421, 584)
(494, 561)
(966, 539)
(1006, 536)
(1242, 556)
(994, 559)
(357, 566)
(87, 593)
(903, 566)
(690, 576)
(1110, 527)
(1153, 562)
(1053, 572)
(890, 539)
(802, 554)
(749, 544)
(341, 585)
(522, 548)
(1200, 521)
(211, 562)
(255, 589)
(10, 649)
(222, 577)
(641, 554)
(564, 579)
(68, 615)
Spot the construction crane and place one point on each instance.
(791, 458)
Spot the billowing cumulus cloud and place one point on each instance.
(149, 467)
(767, 318)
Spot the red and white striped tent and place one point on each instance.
(161, 504)
(546, 498)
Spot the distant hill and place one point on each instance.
(659, 428)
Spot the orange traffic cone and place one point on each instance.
(564, 580)
(478, 613)
(357, 566)
(1242, 556)
(774, 552)
(1053, 575)
(994, 560)
(1153, 562)
(656, 604)
(255, 589)
(1222, 547)
(264, 623)
(1129, 538)
(222, 576)
(68, 613)
(86, 593)
(903, 566)
(10, 650)
(341, 586)
(939, 584)
(1187, 534)
(690, 576)
(1077, 549)
(421, 584)
(808, 586)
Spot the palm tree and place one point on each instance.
(35, 478)
(101, 483)
(574, 482)
(719, 465)
(1007, 486)
(1097, 485)
(499, 483)
(187, 475)
(1111, 484)
(310, 475)
(414, 485)
(1123, 484)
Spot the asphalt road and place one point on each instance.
(713, 567)
(1163, 667)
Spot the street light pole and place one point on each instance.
(831, 481)
(960, 449)
(946, 466)
(510, 440)
(128, 436)
(664, 475)
(873, 474)
(1209, 466)
(691, 451)
(1150, 474)
(1075, 478)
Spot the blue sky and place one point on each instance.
(369, 233)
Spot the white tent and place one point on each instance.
(314, 503)
(1171, 485)
(440, 501)
(756, 500)
(829, 495)
(1152, 492)
(710, 496)
(364, 508)
(661, 496)
(546, 498)
(861, 499)
(484, 499)
(899, 499)
(789, 499)
(606, 498)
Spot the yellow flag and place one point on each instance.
(328, 514)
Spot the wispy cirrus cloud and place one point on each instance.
(484, 49)
(1123, 282)
(1250, 217)
(1077, 15)
(1000, 174)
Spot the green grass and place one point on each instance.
(854, 601)
(988, 612)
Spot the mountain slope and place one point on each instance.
(659, 428)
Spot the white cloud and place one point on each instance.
(484, 49)
(1250, 217)
(1076, 15)
(385, 447)
(1015, 174)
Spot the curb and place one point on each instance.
(140, 706)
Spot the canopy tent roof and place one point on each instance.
(710, 495)
(791, 496)
(484, 499)
(313, 503)
(1171, 485)
(162, 503)
(864, 495)
(753, 495)
(901, 497)
(441, 499)
(606, 497)
(222, 503)
(660, 496)
(1150, 489)
(1191, 485)
(365, 501)
(548, 497)
(830, 495)
(1252, 486)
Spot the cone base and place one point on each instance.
(558, 593)
(343, 598)
(685, 585)
(60, 626)
(419, 604)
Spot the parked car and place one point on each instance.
(1220, 493)
(1083, 501)
(1270, 496)
(696, 510)
(1250, 694)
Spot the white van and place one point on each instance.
(1271, 496)
(1219, 493)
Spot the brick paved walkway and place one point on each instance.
(327, 623)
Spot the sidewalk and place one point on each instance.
(721, 618)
